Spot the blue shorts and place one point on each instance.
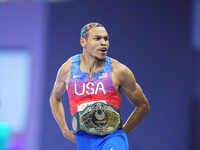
(114, 141)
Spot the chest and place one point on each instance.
(100, 83)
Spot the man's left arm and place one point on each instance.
(135, 94)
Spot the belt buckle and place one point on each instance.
(98, 118)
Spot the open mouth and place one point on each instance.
(103, 50)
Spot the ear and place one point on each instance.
(83, 42)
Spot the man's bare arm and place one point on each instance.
(135, 94)
(56, 103)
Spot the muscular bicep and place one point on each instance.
(58, 89)
(61, 80)
(132, 89)
(59, 85)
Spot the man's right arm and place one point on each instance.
(56, 101)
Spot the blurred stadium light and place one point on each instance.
(196, 25)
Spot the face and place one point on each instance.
(97, 43)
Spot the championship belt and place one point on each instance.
(98, 118)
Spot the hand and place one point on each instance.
(68, 134)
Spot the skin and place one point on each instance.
(92, 60)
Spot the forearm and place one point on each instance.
(58, 112)
(59, 115)
(136, 117)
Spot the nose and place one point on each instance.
(103, 42)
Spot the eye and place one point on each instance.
(97, 38)
(106, 38)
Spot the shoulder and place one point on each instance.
(64, 69)
(66, 65)
(118, 67)
(121, 71)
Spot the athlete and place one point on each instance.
(94, 83)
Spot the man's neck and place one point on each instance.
(90, 64)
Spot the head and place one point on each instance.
(94, 40)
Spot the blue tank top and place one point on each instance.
(83, 91)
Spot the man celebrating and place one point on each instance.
(94, 83)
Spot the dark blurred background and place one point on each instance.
(158, 40)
